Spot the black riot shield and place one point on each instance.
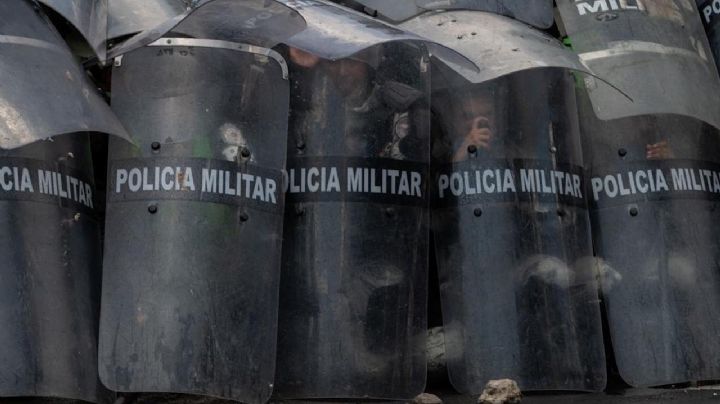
(512, 235)
(710, 15)
(656, 52)
(538, 13)
(49, 293)
(655, 188)
(353, 291)
(194, 220)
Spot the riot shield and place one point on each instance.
(538, 13)
(89, 17)
(44, 91)
(709, 13)
(51, 273)
(651, 210)
(512, 232)
(654, 187)
(48, 212)
(194, 220)
(129, 17)
(353, 287)
(650, 50)
(512, 235)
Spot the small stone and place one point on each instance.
(503, 391)
(427, 398)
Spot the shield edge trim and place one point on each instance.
(219, 44)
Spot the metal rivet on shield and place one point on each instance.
(390, 212)
(155, 146)
(622, 152)
(553, 149)
(634, 211)
(478, 212)
(300, 145)
(153, 208)
(244, 217)
(245, 152)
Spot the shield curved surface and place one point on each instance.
(655, 52)
(353, 287)
(538, 13)
(495, 45)
(51, 272)
(512, 232)
(259, 22)
(512, 235)
(90, 19)
(710, 15)
(654, 187)
(194, 221)
(129, 17)
(36, 61)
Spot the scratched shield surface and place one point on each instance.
(194, 221)
(512, 234)
(654, 189)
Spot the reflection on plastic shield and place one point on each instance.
(127, 17)
(89, 17)
(194, 222)
(514, 47)
(512, 235)
(654, 193)
(50, 94)
(49, 294)
(538, 13)
(649, 50)
(354, 281)
(257, 22)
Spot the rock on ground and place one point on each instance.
(503, 391)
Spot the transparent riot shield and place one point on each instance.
(194, 220)
(353, 291)
(512, 235)
(51, 273)
(49, 212)
(45, 92)
(710, 15)
(538, 13)
(655, 52)
(654, 188)
(89, 17)
(511, 229)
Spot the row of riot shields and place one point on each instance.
(266, 224)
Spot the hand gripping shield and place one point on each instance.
(353, 289)
(512, 232)
(653, 185)
(194, 217)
